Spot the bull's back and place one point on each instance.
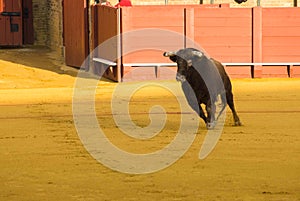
(223, 74)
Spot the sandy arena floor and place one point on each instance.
(42, 158)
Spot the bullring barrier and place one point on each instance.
(251, 42)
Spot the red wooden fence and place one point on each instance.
(280, 39)
(226, 35)
(11, 23)
(231, 35)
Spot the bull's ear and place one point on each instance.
(189, 63)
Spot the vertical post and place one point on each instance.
(94, 32)
(295, 3)
(290, 70)
(94, 36)
(119, 47)
(189, 32)
(257, 41)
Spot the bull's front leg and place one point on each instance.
(211, 111)
(202, 115)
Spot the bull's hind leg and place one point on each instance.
(229, 97)
(211, 110)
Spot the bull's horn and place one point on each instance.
(197, 53)
(169, 54)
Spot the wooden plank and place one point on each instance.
(234, 13)
(1, 6)
(280, 12)
(9, 5)
(2, 30)
(222, 31)
(257, 52)
(75, 32)
(17, 21)
(223, 22)
(281, 58)
(107, 31)
(225, 41)
(281, 31)
(282, 21)
(106, 40)
(281, 52)
(276, 41)
(145, 56)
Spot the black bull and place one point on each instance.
(203, 80)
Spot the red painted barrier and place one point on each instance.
(144, 45)
(231, 35)
(225, 34)
(280, 39)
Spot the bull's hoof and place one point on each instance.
(210, 125)
(237, 123)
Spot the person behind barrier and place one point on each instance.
(123, 3)
(105, 3)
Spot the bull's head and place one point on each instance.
(240, 1)
(184, 59)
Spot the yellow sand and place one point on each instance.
(42, 158)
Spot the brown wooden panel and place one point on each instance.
(105, 40)
(11, 26)
(75, 32)
(17, 5)
(17, 37)
(1, 6)
(2, 30)
(8, 5)
(107, 31)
